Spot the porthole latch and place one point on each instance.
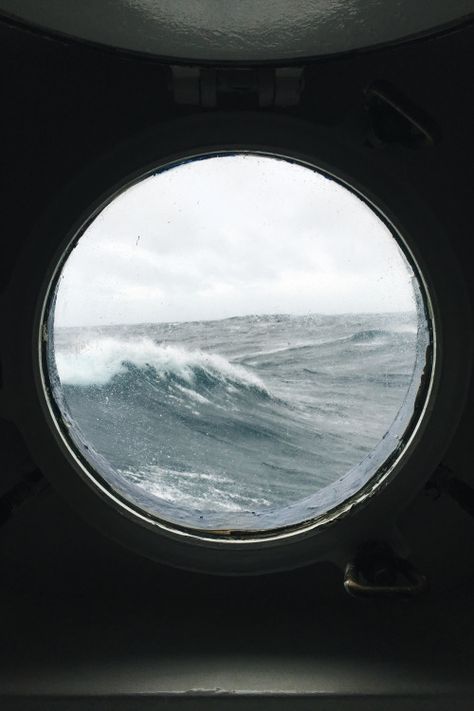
(376, 571)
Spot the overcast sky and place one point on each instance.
(230, 236)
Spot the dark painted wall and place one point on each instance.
(81, 614)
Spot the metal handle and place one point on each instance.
(378, 572)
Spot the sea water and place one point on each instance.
(238, 414)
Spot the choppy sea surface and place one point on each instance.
(240, 414)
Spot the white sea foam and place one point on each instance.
(99, 360)
(405, 328)
(194, 395)
(174, 487)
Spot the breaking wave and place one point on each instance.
(100, 360)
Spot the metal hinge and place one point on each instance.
(205, 86)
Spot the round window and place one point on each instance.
(237, 346)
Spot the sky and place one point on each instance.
(231, 236)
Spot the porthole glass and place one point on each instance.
(236, 342)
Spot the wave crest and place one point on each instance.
(100, 360)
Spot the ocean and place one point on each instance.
(241, 414)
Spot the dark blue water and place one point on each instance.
(239, 414)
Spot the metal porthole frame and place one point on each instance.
(334, 536)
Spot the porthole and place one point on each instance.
(237, 346)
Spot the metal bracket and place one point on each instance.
(30, 486)
(205, 86)
(395, 119)
(444, 481)
(377, 572)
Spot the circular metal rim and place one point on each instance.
(381, 476)
(438, 30)
(403, 205)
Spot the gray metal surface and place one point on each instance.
(219, 30)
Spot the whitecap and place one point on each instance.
(99, 360)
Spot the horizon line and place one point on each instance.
(229, 318)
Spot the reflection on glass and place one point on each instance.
(235, 335)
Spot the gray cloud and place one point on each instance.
(231, 236)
